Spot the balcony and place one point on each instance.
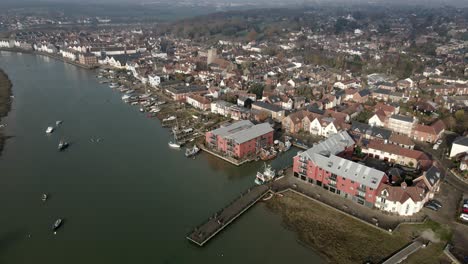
(362, 188)
(303, 166)
(361, 196)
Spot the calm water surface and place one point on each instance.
(127, 199)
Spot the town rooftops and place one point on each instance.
(403, 118)
(243, 131)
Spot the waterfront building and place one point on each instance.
(180, 93)
(240, 139)
(325, 165)
(199, 102)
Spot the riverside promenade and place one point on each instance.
(221, 219)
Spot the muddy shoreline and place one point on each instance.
(5, 104)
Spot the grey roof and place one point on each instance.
(271, 107)
(403, 118)
(226, 130)
(251, 133)
(364, 92)
(377, 132)
(324, 155)
(381, 91)
(461, 141)
(432, 175)
(243, 131)
(332, 145)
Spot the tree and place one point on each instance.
(257, 89)
(460, 115)
(252, 35)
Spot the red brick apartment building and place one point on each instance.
(324, 165)
(240, 139)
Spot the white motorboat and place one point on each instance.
(174, 145)
(49, 130)
(58, 122)
(171, 118)
(267, 175)
(126, 97)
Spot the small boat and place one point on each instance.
(169, 119)
(287, 146)
(174, 145)
(142, 109)
(44, 197)
(57, 224)
(49, 130)
(155, 110)
(62, 145)
(267, 175)
(268, 154)
(190, 152)
(58, 122)
(125, 97)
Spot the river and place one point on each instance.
(127, 199)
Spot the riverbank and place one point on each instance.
(5, 103)
(342, 239)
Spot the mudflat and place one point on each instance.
(5, 103)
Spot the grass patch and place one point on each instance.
(343, 239)
(339, 238)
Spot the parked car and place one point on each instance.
(464, 217)
(465, 206)
(431, 206)
(465, 201)
(465, 210)
(436, 203)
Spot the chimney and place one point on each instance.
(404, 185)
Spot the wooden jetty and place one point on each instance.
(220, 220)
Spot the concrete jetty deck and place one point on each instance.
(404, 253)
(220, 220)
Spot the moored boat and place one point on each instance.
(62, 145)
(267, 175)
(44, 197)
(49, 130)
(57, 224)
(58, 122)
(190, 152)
(268, 154)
